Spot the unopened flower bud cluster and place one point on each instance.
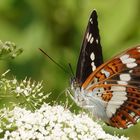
(9, 50)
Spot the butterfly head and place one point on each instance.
(74, 83)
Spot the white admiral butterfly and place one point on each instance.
(111, 90)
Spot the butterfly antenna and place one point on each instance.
(60, 66)
(71, 69)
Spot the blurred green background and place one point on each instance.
(58, 28)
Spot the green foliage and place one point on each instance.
(58, 28)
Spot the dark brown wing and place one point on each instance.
(91, 52)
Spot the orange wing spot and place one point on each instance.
(114, 123)
(116, 66)
(125, 115)
(107, 96)
(109, 70)
(118, 122)
(136, 70)
(134, 53)
(134, 91)
(122, 118)
(100, 76)
(137, 112)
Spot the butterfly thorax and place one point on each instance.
(76, 92)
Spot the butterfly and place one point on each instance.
(110, 90)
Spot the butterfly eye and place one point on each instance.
(74, 83)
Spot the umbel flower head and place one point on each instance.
(52, 123)
(26, 93)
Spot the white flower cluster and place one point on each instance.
(31, 93)
(54, 123)
(26, 93)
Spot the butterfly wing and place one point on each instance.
(121, 106)
(126, 62)
(91, 51)
(117, 83)
(128, 112)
